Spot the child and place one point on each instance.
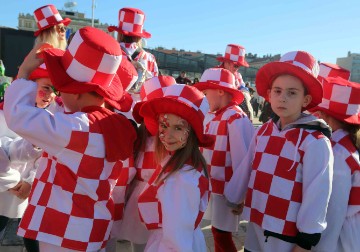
(175, 198)
(70, 207)
(233, 131)
(340, 109)
(23, 156)
(51, 26)
(286, 176)
(131, 228)
(130, 32)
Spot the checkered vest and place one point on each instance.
(83, 179)
(145, 162)
(274, 193)
(341, 142)
(150, 208)
(218, 156)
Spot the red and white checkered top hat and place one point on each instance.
(331, 70)
(131, 23)
(184, 101)
(90, 63)
(151, 89)
(220, 78)
(296, 63)
(48, 16)
(234, 53)
(341, 100)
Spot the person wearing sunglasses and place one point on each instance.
(51, 27)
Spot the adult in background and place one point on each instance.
(182, 79)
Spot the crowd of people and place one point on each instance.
(98, 146)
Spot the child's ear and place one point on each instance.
(307, 100)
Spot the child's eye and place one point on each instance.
(178, 128)
(163, 125)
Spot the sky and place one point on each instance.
(327, 29)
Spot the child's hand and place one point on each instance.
(24, 190)
(238, 209)
(31, 62)
(299, 249)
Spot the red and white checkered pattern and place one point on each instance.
(46, 16)
(342, 98)
(218, 157)
(86, 63)
(274, 193)
(341, 142)
(331, 70)
(155, 87)
(219, 76)
(145, 162)
(131, 21)
(302, 59)
(150, 208)
(83, 179)
(234, 53)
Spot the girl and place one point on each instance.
(285, 178)
(176, 196)
(23, 158)
(340, 109)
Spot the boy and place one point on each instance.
(233, 132)
(70, 207)
(286, 177)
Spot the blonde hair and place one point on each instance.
(190, 153)
(51, 37)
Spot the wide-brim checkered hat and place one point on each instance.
(39, 72)
(89, 64)
(220, 78)
(341, 100)
(297, 63)
(234, 53)
(151, 89)
(184, 101)
(332, 70)
(48, 16)
(131, 23)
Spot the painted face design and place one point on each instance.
(45, 94)
(173, 131)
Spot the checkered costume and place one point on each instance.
(343, 215)
(70, 204)
(173, 209)
(131, 227)
(279, 176)
(233, 132)
(145, 58)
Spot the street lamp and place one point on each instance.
(92, 9)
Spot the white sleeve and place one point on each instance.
(22, 150)
(317, 173)
(235, 189)
(40, 127)
(338, 204)
(8, 177)
(180, 199)
(241, 132)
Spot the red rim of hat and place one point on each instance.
(124, 105)
(64, 83)
(268, 73)
(151, 109)
(331, 110)
(38, 73)
(238, 96)
(143, 33)
(65, 21)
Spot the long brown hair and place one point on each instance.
(190, 153)
(354, 133)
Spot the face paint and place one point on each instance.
(173, 131)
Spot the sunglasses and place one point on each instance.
(61, 29)
(57, 93)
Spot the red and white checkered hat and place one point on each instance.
(131, 22)
(234, 53)
(89, 64)
(151, 89)
(297, 63)
(341, 100)
(184, 101)
(220, 78)
(48, 16)
(331, 70)
(39, 72)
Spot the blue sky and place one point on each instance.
(327, 29)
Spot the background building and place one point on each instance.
(351, 63)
